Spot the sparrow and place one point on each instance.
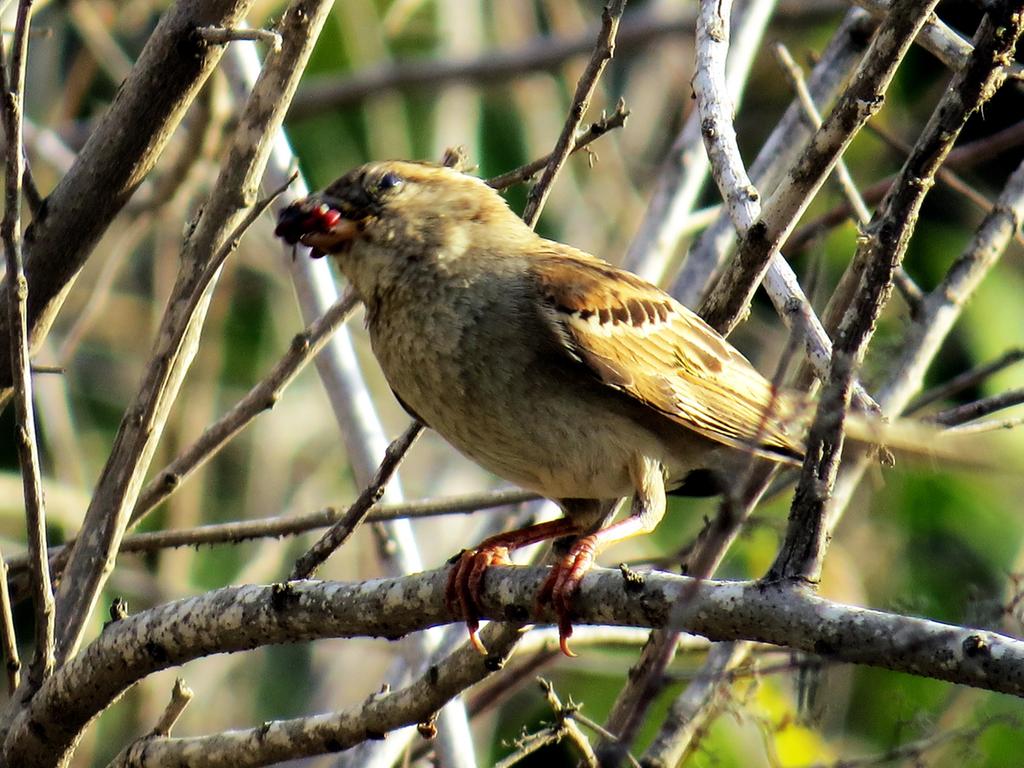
(543, 364)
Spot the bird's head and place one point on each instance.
(409, 209)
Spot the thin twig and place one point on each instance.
(540, 647)
(231, 243)
(181, 695)
(850, 281)
(965, 156)
(797, 82)
(604, 49)
(17, 302)
(941, 309)
(30, 190)
(224, 35)
(600, 730)
(965, 380)
(263, 396)
(8, 640)
(47, 370)
(565, 716)
(684, 171)
(945, 175)
(11, 233)
(692, 709)
(286, 525)
(913, 752)
(529, 743)
(597, 129)
(979, 150)
(962, 414)
(340, 531)
(981, 427)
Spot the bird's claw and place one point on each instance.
(465, 585)
(562, 584)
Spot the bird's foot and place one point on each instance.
(465, 584)
(563, 583)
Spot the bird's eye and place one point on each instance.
(389, 180)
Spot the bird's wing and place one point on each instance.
(637, 339)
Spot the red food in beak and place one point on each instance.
(316, 225)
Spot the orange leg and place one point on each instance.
(563, 582)
(465, 580)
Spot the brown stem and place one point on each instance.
(604, 49)
(17, 295)
(341, 530)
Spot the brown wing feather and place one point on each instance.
(638, 339)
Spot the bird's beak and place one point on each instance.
(317, 225)
(335, 239)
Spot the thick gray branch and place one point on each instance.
(240, 618)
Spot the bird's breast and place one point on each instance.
(492, 389)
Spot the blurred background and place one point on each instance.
(946, 544)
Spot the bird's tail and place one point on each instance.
(921, 441)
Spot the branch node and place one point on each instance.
(181, 695)
(225, 35)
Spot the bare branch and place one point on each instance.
(164, 81)
(840, 57)
(181, 695)
(214, 236)
(17, 295)
(604, 49)
(596, 130)
(964, 156)
(685, 169)
(8, 641)
(764, 230)
(965, 380)
(286, 525)
(343, 529)
(721, 308)
(565, 715)
(976, 410)
(224, 35)
(693, 708)
(237, 618)
(260, 398)
(878, 255)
